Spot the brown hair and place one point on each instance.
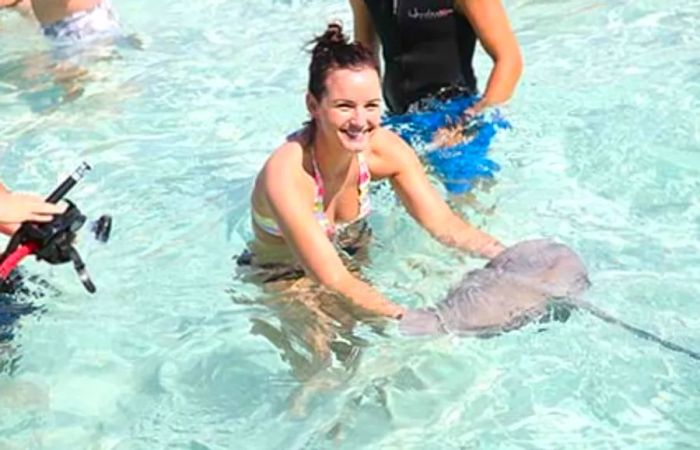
(332, 50)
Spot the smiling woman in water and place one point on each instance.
(312, 195)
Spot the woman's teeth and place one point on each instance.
(354, 134)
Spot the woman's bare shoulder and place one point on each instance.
(284, 169)
(387, 152)
(384, 140)
(287, 156)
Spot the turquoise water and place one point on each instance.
(604, 155)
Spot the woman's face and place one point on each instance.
(350, 109)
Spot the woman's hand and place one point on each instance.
(492, 249)
(17, 207)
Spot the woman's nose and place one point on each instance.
(359, 116)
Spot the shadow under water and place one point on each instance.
(18, 298)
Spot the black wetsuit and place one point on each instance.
(427, 45)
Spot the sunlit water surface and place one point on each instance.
(604, 155)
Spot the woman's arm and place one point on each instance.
(490, 23)
(292, 210)
(424, 203)
(363, 27)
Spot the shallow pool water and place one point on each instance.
(176, 351)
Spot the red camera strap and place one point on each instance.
(14, 258)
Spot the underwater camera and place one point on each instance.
(53, 241)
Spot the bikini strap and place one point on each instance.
(319, 214)
(363, 181)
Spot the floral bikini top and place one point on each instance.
(269, 225)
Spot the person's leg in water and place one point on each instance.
(310, 316)
(24, 7)
(313, 327)
(80, 33)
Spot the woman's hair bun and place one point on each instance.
(332, 36)
(333, 50)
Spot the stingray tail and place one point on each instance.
(637, 331)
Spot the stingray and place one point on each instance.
(532, 280)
